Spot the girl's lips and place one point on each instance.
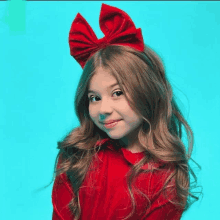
(111, 125)
(111, 122)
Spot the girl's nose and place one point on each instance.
(106, 107)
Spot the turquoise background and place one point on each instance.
(38, 80)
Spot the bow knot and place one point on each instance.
(102, 43)
(117, 27)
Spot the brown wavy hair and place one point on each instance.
(150, 95)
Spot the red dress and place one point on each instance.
(104, 192)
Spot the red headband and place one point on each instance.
(117, 27)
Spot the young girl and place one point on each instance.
(126, 160)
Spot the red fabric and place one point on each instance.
(117, 27)
(104, 192)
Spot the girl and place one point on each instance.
(126, 160)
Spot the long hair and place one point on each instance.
(150, 95)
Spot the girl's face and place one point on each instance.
(107, 100)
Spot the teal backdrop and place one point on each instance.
(38, 80)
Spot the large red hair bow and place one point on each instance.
(117, 27)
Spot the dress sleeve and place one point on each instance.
(165, 212)
(62, 194)
(161, 207)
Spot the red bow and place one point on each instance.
(117, 27)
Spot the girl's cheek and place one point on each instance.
(93, 114)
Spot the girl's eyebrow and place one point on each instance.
(108, 87)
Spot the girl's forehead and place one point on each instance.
(102, 80)
(102, 75)
(106, 86)
(103, 71)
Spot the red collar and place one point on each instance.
(132, 158)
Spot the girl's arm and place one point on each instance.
(161, 207)
(165, 212)
(61, 196)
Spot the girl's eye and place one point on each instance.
(118, 92)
